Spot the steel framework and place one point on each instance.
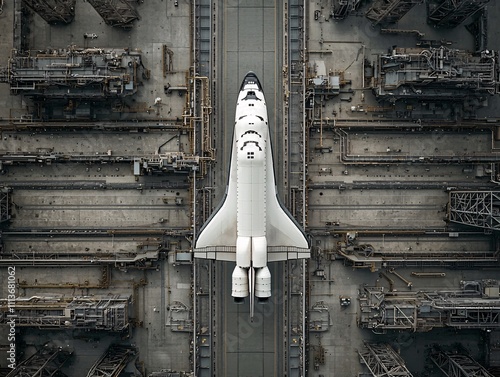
(53, 11)
(477, 208)
(388, 12)
(383, 361)
(115, 12)
(457, 365)
(44, 363)
(112, 362)
(451, 13)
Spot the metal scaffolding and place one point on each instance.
(73, 73)
(115, 12)
(457, 365)
(475, 208)
(53, 11)
(4, 204)
(113, 361)
(389, 11)
(451, 13)
(110, 313)
(466, 308)
(45, 362)
(435, 73)
(383, 361)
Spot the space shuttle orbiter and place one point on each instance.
(251, 227)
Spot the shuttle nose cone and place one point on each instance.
(250, 78)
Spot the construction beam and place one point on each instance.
(109, 313)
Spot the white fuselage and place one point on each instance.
(251, 140)
(250, 137)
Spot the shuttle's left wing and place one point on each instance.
(217, 239)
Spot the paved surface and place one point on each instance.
(250, 40)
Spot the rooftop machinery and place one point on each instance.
(475, 306)
(73, 73)
(436, 73)
(110, 313)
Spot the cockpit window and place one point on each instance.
(251, 132)
(253, 142)
(251, 95)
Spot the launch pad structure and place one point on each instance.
(116, 127)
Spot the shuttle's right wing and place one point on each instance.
(285, 238)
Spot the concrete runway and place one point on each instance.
(250, 348)
(250, 41)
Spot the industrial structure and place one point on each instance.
(109, 313)
(435, 74)
(74, 73)
(475, 306)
